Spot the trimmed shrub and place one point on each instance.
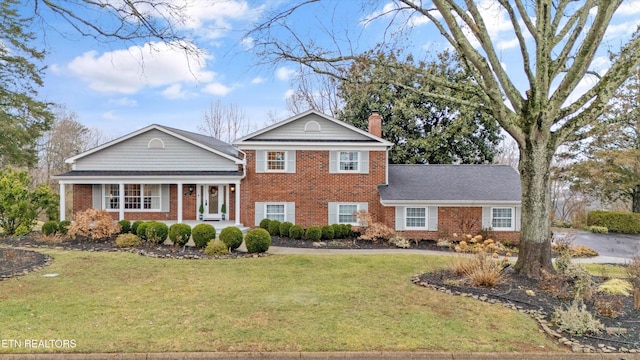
(618, 222)
(63, 227)
(328, 233)
(296, 232)
(202, 234)
(127, 240)
(50, 228)
(265, 223)
(216, 248)
(274, 228)
(134, 226)
(141, 231)
(257, 240)
(179, 234)
(94, 224)
(157, 232)
(285, 227)
(125, 226)
(346, 230)
(232, 237)
(313, 233)
(338, 231)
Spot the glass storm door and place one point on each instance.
(214, 200)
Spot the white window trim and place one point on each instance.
(266, 162)
(284, 206)
(104, 197)
(426, 218)
(358, 165)
(358, 208)
(513, 220)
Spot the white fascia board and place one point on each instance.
(460, 203)
(261, 145)
(146, 179)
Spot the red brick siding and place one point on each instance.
(312, 187)
(82, 197)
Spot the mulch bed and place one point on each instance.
(513, 293)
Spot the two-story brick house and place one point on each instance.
(310, 169)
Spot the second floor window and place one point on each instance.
(276, 161)
(348, 161)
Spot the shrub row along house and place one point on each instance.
(310, 169)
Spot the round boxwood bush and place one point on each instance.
(202, 234)
(346, 230)
(134, 226)
(285, 227)
(157, 232)
(274, 228)
(257, 240)
(328, 232)
(125, 226)
(296, 232)
(232, 237)
(142, 230)
(216, 248)
(63, 227)
(313, 233)
(179, 234)
(50, 228)
(127, 240)
(265, 223)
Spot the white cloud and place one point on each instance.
(111, 116)
(247, 42)
(123, 101)
(288, 94)
(217, 89)
(284, 73)
(128, 71)
(257, 80)
(174, 92)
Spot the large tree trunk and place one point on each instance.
(635, 203)
(535, 235)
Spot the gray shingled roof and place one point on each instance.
(205, 140)
(452, 183)
(120, 173)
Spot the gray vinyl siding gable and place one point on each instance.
(134, 154)
(295, 130)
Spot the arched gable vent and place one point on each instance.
(155, 143)
(312, 126)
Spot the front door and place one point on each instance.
(214, 200)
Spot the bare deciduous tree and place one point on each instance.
(558, 42)
(224, 122)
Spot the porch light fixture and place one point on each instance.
(189, 190)
(232, 188)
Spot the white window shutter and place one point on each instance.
(432, 221)
(260, 161)
(259, 206)
(364, 162)
(486, 217)
(290, 212)
(96, 195)
(333, 213)
(164, 197)
(333, 162)
(291, 161)
(363, 206)
(516, 217)
(400, 218)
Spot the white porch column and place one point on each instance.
(237, 207)
(62, 201)
(180, 195)
(121, 200)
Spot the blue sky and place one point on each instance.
(119, 87)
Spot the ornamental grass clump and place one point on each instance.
(480, 270)
(127, 240)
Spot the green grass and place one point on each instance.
(606, 270)
(120, 302)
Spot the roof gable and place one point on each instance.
(452, 183)
(311, 126)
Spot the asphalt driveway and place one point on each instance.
(611, 245)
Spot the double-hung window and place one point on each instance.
(112, 196)
(275, 212)
(415, 218)
(502, 218)
(348, 161)
(136, 196)
(347, 213)
(276, 161)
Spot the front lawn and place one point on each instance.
(121, 302)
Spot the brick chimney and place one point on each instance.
(375, 124)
